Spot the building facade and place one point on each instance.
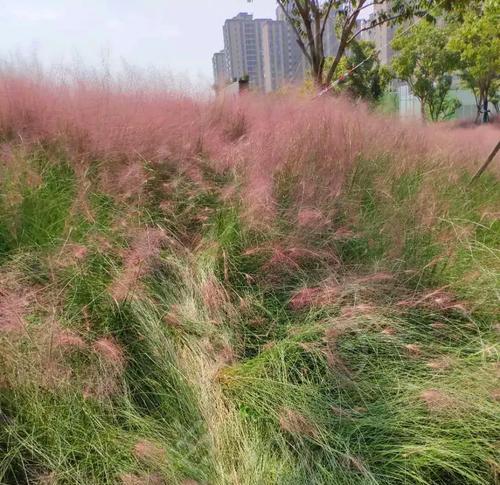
(219, 65)
(243, 49)
(265, 50)
(409, 105)
(284, 62)
(381, 35)
(295, 59)
(330, 39)
(273, 52)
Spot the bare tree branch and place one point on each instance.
(299, 40)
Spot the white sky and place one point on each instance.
(173, 36)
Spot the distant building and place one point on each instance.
(265, 50)
(381, 35)
(409, 105)
(232, 89)
(243, 48)
(220, 68)
(273, 52)
(280, 15)
(283, 60)
(296, 63)
(330, 39)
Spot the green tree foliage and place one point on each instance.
(425, 62)
(476, 41)
(368, 80)
(430, 8)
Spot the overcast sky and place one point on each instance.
(174, 36)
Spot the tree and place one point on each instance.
(425, 62)
(369, 80)
(494, 97)
(309, 19)
(476, 41)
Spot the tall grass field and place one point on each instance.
(245, 291)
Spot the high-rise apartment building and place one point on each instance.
(283, 59)
(265, 50)
(296, 61)
(330, 39)
(220, 68)
(273, 52)
(381, 36)
(243, 48)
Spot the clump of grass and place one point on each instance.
(206, 304)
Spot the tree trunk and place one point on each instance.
(486, 117)
(478, 114)
(336, 62)
(422, 110)
(318, 78)
(487, 163)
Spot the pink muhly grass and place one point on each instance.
(127, 179)
(305, 298)
(293, 422)
(389, 331)
(436, 299)
(282, 258)
(414, 350)
(355, 463)
(79, 252)
(66, 339)
(437, 400)
(136, 260)
(174, 317)
(439, 299)
(315, 142)
(13, 306)
(146, 479)
(70, 254)
(213, 295)
(317, 296)
(440, 364)
(339, 328)
(311, 218)
(291, 258)
(362, 309)
(148, 451)
(110, 351)
(376, 278)
(343, 233)
(495, 395)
